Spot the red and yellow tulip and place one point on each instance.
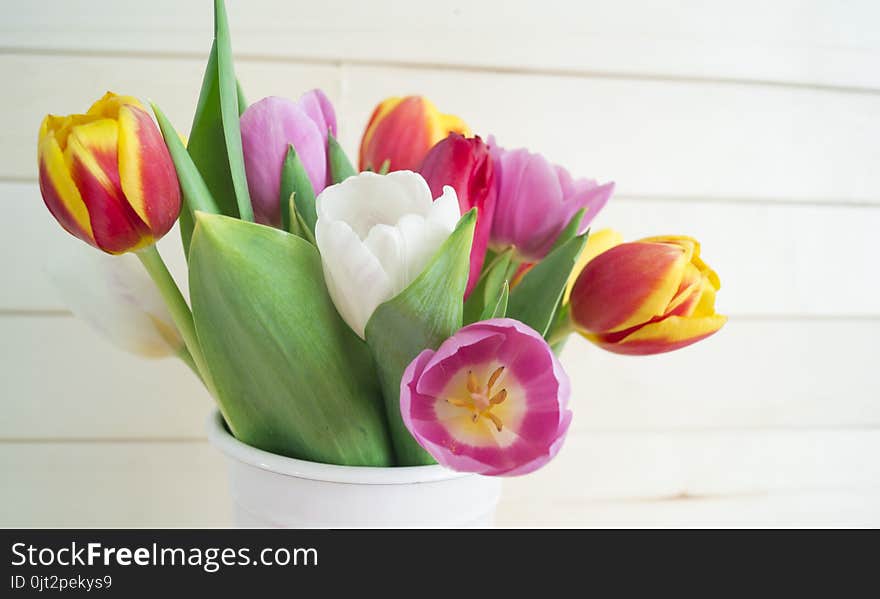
(646, 297)
(106, 176)
(402, 130)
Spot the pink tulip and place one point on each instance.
(536, 200)
(465, 165)
(493, 399)
(267, 128)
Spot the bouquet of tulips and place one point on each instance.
(404, 313)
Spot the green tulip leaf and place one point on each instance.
(242, 101)
(570, 231)
(291, 377)
(340, 166)
(295, 180)
(207, 148)
(196, 195)
(485, 292)
(298, 226)
(535, 299)
(498, 309)
(229, 111)
(215, 137)
(421, 317)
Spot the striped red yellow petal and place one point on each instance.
(109, 104)
(627, 285)
(91, 158)
(379, 113)
(441, 125)
(597, 243)
(693, 246)
(401, 130)
(668, 334)
(688, 294)
(146, 172)
(57, 187)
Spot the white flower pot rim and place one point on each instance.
(332, 473)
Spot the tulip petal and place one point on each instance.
(445, 210)
(268, 127)
(92, 160)
(146, 172)
(444, 124)
(597, 243)
(109, 104)
(385, 242)
(319, 108)
(520, 219)
(368, 199)
(665, 335)
(398, 134)
(694, 248)
(115, 295)
(420, 238)
(530, 422)
(627, 285)
(59, 191)
(688, 294)
(348, 266)
(706, 304)
(380, 112)
(402, 130)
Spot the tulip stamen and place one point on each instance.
(459, 403)
(495, 420)
(480, 401)
(498, 397)
(473, 385)
(494, 378)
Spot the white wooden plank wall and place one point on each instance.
(750, 125)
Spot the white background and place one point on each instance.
(753, 126)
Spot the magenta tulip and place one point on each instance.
(493, 399)
(465, 165)
(267, 128)
(536, 200)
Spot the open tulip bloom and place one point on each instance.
(370, 318)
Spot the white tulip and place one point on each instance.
(116, 296)
(376, 233)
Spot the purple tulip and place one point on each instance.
(536, 200)
(267, 127)
(493, 399)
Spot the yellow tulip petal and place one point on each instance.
(130, 164)
(677, 329)
(672, 333)
(706, 304)
(108, 106)
(686, 297)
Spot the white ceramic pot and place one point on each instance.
(270, 490)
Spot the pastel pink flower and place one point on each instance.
(268, 127)
(492, 399)
(536, 200)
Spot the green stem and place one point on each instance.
(178, 307)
